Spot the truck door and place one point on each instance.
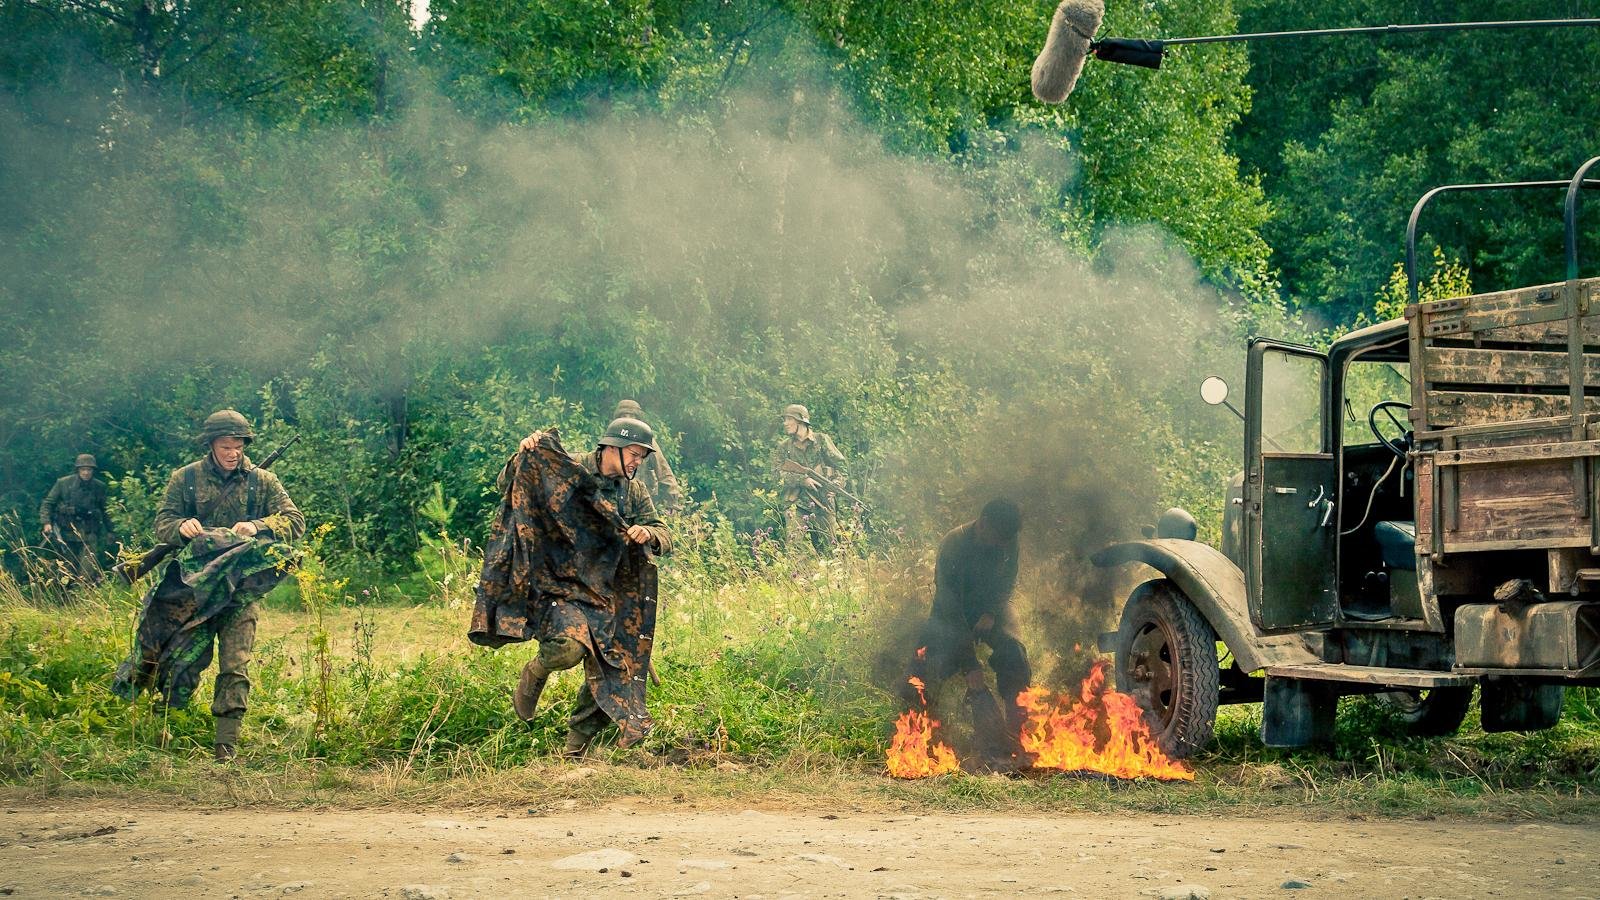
(1289, 489)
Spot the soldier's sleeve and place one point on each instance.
(669, 482)
(47, 508)
(105, 513)
(643, 512)
(835, 460)
(173, 510)
(283, 519)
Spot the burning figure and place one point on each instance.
(974, 576)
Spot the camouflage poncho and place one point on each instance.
(557, 564)
(198, 593)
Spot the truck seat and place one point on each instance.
(1397, 541)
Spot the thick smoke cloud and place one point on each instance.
(714, 265)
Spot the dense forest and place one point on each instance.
(413, 236)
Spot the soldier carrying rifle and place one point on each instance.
(73, 517)
(226, 514)
(811, 472)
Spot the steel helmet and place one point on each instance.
(626, 432)
(85, 461)
(226, 423)
(796, 411)
(628, 409)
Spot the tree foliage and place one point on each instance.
(412, 247)
(1347, 133)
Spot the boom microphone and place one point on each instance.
(1056, 70)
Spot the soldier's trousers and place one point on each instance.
(83, 559)
(950, 649)
(562, 652)
(810, 526)
(236, 644)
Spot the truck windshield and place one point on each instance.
(1365, 385)
(1291, 402)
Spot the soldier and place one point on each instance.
(974, 575)
(654, 473)
(73, 516)
(566, 633)
(224, 490)
(809, 469)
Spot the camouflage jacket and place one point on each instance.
(655, 473)
(557, 564)
(631, 500)
(972, 579)
(76, 508)
(816, 452)
(201, 490)
(199, 592)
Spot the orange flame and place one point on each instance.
(1101, 731)
(914, 752)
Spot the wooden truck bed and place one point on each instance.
(1503, 463)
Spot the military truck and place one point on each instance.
(1417, 516)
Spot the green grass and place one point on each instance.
(768, 693)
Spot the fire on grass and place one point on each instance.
(1099, 730)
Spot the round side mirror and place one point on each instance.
(1214, 390)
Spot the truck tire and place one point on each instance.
(1166, 659)
(1431, 713)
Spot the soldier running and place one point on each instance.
(974, 576)
(654, 473)
(227, 511)
(73, 518)
(809, 469)
(569, 632)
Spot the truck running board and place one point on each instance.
(1372, 675)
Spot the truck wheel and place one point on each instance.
(1430, 713)
(1167, 660)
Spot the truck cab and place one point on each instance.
(1417, 517)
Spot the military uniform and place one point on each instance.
(202, 490)
(655, 473)
(633, 503)
(75, 511)
(974, 579)
(610, 628)
(810, 514)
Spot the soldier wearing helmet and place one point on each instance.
(810, 509)
(614, 462)
(73, 517)
(654, 473)
(224, 490)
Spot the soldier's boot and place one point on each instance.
(226, 747)
(577, 744)
(525, 699)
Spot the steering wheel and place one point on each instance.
(1398, 446)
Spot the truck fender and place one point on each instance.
(1216, 587)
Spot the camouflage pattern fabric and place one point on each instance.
(201, 593)
(810, 513)
(557, 566)
(220, 499)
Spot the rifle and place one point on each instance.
(791, 467)
(132, 570)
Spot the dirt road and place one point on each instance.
(85, 847)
